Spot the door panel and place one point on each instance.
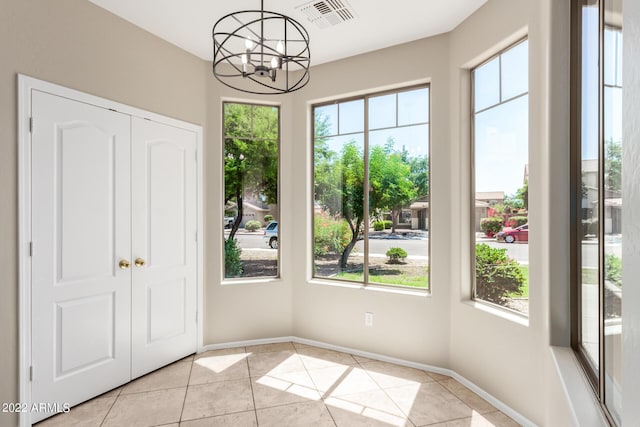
(166, 194)
(80, 230)
(164, 236)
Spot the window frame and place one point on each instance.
(596, 376)
(365, 283)
(472, 153)
(278, 275)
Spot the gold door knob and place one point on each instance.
(140, 262)
(124, 264)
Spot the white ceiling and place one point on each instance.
(378, 24)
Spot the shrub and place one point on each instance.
(268, 218)
(387, 224)
(378, 226)
(497, 275)
(613, 269)
(232, 261)
(396, 255)
(252, 225)
(329, 235)
(491, 225)
(517, 221)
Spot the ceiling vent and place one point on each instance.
(327, 13)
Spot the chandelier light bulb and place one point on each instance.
(280, 47)
(274, 62)
(244, 59)
(248, 43)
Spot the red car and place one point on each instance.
(520, 234)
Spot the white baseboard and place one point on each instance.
(498, 404)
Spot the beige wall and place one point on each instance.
(238, 310)
(75, 44)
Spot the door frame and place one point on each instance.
(26, 85)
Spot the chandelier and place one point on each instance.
(261, 52)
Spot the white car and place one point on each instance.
(271, 235)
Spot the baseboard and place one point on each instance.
(497, 403)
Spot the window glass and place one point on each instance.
(486, 84)
(413, 107)
(386, 241)
(501, 181)
(351, 117)
(382, 111)
(514, 71)
(251, 157)
(590, 186)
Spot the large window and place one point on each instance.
(371, 189)
(500, 179)
(251, 211)
(597, 184)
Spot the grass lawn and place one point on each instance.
(420, 281)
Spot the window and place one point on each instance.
(371, 189)
(597, 183)
(251, 173)
(500, 179)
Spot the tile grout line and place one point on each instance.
(186, 390)
(253, 397)
(104, 419)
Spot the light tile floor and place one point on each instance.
(285, 385)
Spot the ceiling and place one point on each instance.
(376, 24)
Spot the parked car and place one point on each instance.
(228, 221)
(520, 234)
(271, 235)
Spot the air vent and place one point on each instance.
(327, 13)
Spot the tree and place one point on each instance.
(389, 181)
(251, 156)
(613, 165)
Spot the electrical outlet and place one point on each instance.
(368, 319)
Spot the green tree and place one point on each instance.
(251, 156)
(613, 165)
(390, 181)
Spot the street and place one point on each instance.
(417, 248)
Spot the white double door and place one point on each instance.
(113, 248)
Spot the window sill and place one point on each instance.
(251, 281)
(495, 310)
(370, 287)
(584, 407)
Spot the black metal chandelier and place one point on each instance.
(261, 52)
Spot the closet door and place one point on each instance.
(163, 244)
(81, 283)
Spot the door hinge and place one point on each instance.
(30, 124)
(30, 373)
(30, 249)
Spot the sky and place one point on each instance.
(501, 114)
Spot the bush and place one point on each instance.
(232, 261)
(378, 226)
(497, 275)
(396, 255)
(613, 269)
(517, 221)
(491, 225)
(329, 235)
(387, 224)
(268, 218)
(252, 225)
